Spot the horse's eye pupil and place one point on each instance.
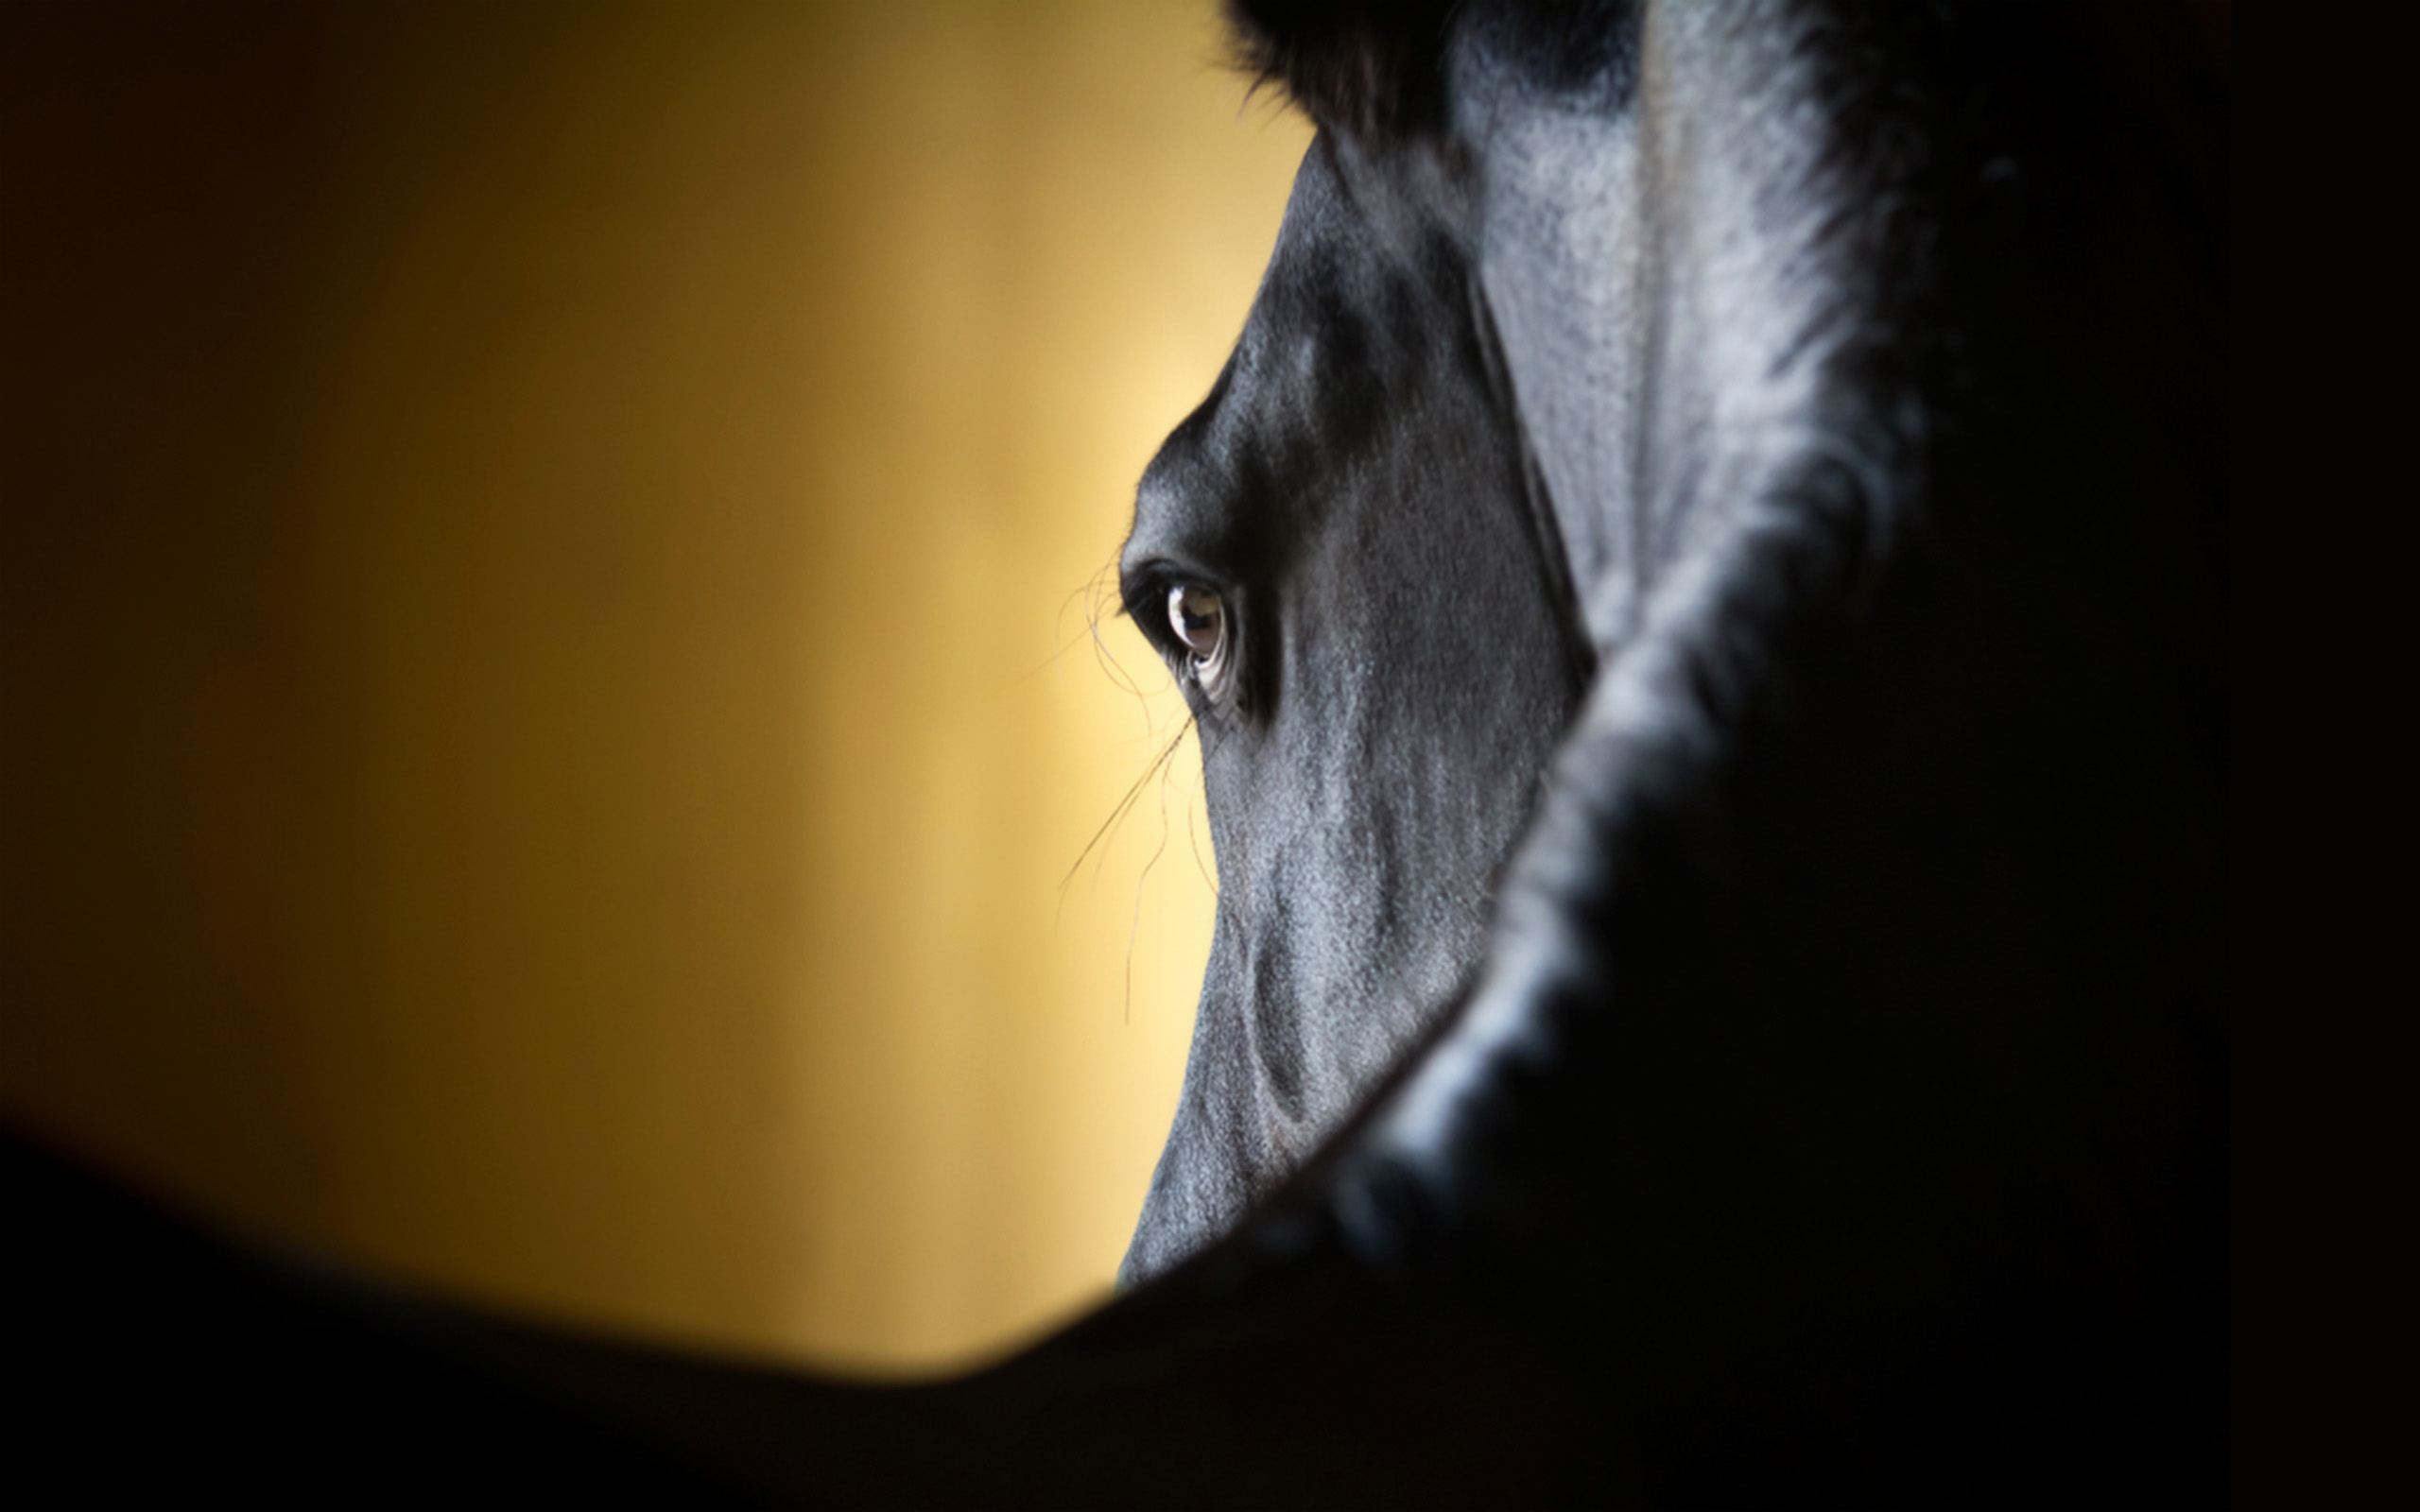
(1198, 620)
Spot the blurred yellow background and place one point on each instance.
(549, 562)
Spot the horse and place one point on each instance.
(1701, 590)
(1852, 984)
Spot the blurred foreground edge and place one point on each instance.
(153, 1356)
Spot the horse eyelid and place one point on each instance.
(1137, 599)
(1142, 597)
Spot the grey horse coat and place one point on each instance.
(1702, 588)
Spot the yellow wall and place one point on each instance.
(546, 588)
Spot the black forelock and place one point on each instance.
(1368, 68)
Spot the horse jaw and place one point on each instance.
(1674, 377)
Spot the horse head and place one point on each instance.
(1558, 355)
(1337, 556)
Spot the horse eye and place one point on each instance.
(1200, 621)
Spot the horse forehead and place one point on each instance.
(1328, 309)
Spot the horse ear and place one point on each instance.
(1368, 68)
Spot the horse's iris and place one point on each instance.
(1200, 621)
